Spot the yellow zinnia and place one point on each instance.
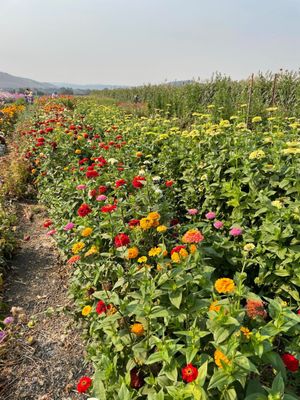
(155, 251)
(86, 310)
(220, 359)
(224, 285)
(77, 247)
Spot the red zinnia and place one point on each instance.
(177, 249)
(133, 222)
(291, 362)
(92, 174)
(136, 378)
(169, 183)
(122, 240)
(84, 210)
(120, 182)
(101, 307)
(102, 189)
(47, 223)
(137, 181)
(108, 208)
(84, 384)
(189, 373)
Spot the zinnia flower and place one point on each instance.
(86, 232)
(86, 310)
(246, 332)
(224, 285)
(120, 182)
(161, 228)
(192, 211)
(138, 329)
(101, 307)
(51, 233)
(136, 378)
(73, 259)
(189, 373)
(47, 223)
(81, 187)
(101, 197)
(109, 208)
(133, 222)
(69, 226)
(236, 232)
(84, 384)
(121, 240)
(77, 247)
(210, 215)
(220, 359)
(138, 182)
(192, 236)
(92, 174)
(93, 250)
(291, 362)
(142, 259)
(215, 306)
(133, 252)
(255, 308)
(169, 183)
(218, 224)
(249, 247)
(155, 251)
(84, 210)
(146, 223)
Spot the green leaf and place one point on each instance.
(154, 358)
(230, 394)
(278, 384)
(124, 393)
(176, 298)
(275, 360)
(98, 386)
(202, 374)
(220, 379)
(221, 334)
(245, 363)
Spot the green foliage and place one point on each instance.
(147, 316)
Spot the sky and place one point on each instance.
(133, 42)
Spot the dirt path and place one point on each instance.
(42, 362)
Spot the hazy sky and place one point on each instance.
(141, 41)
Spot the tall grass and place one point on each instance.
(227, 95)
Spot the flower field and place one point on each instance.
(184, 247)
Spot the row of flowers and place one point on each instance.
(161, 286)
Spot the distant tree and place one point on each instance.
(68, 91)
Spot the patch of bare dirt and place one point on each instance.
(45, 357)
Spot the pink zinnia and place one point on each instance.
(218, 224)
(236, 232)
(69, 226)
(210, 215)
(52, 232)
(102, 197)
(192, 211)
(80, 187)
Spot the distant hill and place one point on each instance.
(92, 86)
(8, 81)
